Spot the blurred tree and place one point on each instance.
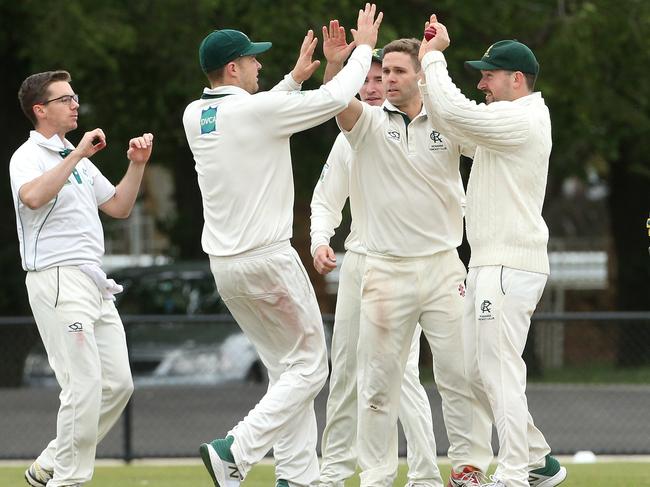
(135, 66)
(597, 59)
(15, 340)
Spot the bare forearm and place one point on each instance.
(331, 70)
(126, 192)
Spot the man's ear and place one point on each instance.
(38, 111)
(232, 68)
(520, 79)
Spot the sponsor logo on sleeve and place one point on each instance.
(208, 120)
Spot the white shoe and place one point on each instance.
(37, 476)
(494, 482)
(223, 472)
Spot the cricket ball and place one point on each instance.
(429, 32)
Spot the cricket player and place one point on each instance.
(507, 235)
(240, 142)
(338, 448)
(405, 197)
(57, 191)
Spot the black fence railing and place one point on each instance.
(195, 376)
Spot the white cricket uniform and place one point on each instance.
(509, 262)
(409, 218)
(339, 458)
(80, 328)
(240, 144)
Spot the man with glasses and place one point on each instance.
(56, 192)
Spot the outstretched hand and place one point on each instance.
(439, 42)
(335, 45)
(140, 149)
(305, 66)
(367, 26)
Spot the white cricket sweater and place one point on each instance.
(328, 200)
(66, 230)
(507, 183)
(240, 144)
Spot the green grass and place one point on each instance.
(595, 374)
(606, 474)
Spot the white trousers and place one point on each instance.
(500, 303)
(269, 293)
(396, 294)
(339, 455)
(86, 347)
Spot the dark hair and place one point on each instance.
(407, 46)
(530, 81)
(34, 90)
(216, 76)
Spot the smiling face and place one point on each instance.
(498, 85)
(400, 78)
(372, 91)
(249, 68)
(58, 116)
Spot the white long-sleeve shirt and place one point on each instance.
(330, 194)
(240, 144)
(507, 182)
(405, 187)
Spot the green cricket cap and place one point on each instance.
(377, 55)
(510, 55)
(222, 46)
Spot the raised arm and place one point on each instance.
(366, 33)
(304, 68)
(499, 126)
(335, 48)
(300, 111)
(121, 204)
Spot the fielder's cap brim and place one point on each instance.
(481, 65)
(256, 48)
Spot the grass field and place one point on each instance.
(606, 474)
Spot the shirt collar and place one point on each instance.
(53, 143)
(223, 91)
(532, 98)
(389, 107)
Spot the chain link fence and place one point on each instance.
(196, 376)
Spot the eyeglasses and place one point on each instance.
(65, 99)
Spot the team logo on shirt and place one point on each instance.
(208, 120)
(437, 143)
(393, 135)
(461, 290)
(486, 311)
